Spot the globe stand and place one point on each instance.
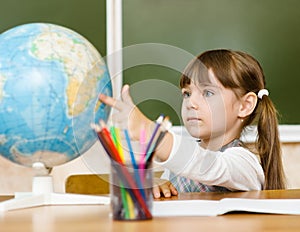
(42, 194)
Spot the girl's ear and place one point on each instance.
(248, 104)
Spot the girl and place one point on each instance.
(223, 92)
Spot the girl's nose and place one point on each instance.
(193, 102)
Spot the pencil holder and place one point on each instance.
(131, 192)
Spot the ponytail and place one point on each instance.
(268, 145)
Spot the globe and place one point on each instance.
(50, 79)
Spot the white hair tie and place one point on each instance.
(262, 92)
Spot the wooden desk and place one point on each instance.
(89, 218)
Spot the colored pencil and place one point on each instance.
(133, 161)
(157, 125)
(159, 120)
(143, 139)
(134, 164)
(166, 125)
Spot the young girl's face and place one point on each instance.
(210, 112)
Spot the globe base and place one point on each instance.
(42, 194)
(42, 185)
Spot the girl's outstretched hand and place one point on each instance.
(127, 115)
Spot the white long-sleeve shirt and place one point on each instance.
(236, 168)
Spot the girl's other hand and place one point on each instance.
(163, 188)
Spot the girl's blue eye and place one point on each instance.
(186, 94)
(207, 93)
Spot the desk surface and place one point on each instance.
(89, 218)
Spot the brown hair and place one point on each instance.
(242, 73)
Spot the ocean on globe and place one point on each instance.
(50, 79)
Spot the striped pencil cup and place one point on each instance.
(130, 192)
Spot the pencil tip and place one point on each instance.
(102, 123)
(95, 127)
(160, 119)
(166, 126)
(169, 125)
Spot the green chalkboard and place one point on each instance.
(267, 29)
(85, 17)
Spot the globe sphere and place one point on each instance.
(50, 79)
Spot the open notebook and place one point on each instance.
(226, 205)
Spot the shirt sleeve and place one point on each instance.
(236, 168)
(165, 175)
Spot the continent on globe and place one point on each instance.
(73, 53)
(50, 79)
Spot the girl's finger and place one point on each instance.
(110, 101)
(173, 190)
(126, 95)
(156, 191)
